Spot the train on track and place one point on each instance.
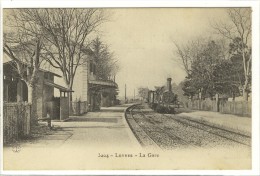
(162, 99)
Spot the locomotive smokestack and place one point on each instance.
(169, 84)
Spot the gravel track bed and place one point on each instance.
(157, 134)
(171, 132)
(225, 133)
(139, 133)
(192, 136)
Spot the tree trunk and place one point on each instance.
(70, 103)
(69, 86)
(32, 99)
(245, 90)
(233, 96)
(245, 93)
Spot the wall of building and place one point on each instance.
(48, 93)
(80, 86)
(84, 82)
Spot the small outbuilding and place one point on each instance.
(16, 90)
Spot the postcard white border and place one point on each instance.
(154, 3)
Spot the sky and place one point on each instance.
(142, 41)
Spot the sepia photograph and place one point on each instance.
(128, 88)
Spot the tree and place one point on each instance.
(159, 93)
(188, 53)
(178, 90)
(143, 92)
(66, 34)
(24, 47)
(210, 73)
(188, 88)
(203, 68)
(225, 78)
(238, 31)
(106, 65)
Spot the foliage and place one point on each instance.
(238, 31)
(236, 49)
(211, 74)
(159, 93)
(178, 91)
(216, 67)
(23, 44)
(59, 36)
(186, 54)
(143, 92)
(64, 35)
(106, 64)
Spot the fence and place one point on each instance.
(79, 107)
(228, 107)
(16, 121)
(239, 108)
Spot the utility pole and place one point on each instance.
(125, 92)
(134, 94)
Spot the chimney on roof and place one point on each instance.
(169, 84)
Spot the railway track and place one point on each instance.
(169, 131)
(143, 138)
(218, 131)
(160, 135)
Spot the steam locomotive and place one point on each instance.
(162, 99)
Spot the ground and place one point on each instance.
(104, 140)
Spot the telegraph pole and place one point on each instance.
(134, 94)
(125, 92)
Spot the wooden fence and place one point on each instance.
(79, 107)
(16, 121)
(242, 108)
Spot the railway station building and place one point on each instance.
(91, 90)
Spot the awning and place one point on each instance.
(61, 88)
(102, 84)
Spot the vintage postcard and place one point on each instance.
(140, 88)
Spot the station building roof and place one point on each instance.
(61, 88)
(102, 84)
